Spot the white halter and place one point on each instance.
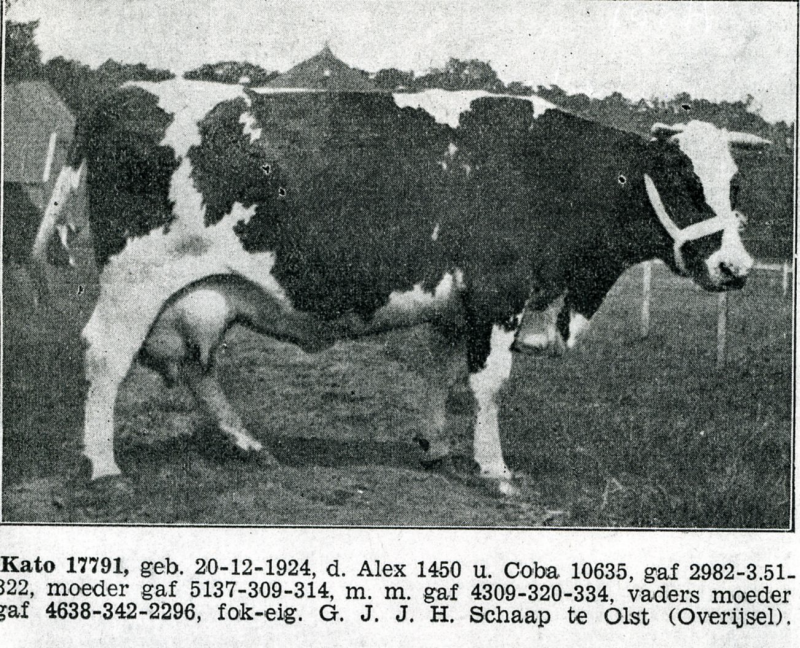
(693, 232)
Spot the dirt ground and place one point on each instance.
(622, 432)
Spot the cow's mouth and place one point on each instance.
(731, 283)
(722, 282)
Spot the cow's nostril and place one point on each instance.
(726, 270)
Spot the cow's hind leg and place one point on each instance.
(112, 338)
(183, 344)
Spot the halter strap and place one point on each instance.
(690, 232)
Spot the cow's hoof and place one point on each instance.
(437, 454)
(437, 462)
(86, 480)
(537, 347)
(248, 444)
(111, 486)
(224, 444)
(94, 469)
(507, 488)
(505, 482)
(266, 459)
(502, 487)
(255, 453)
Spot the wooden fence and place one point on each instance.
(786, 268)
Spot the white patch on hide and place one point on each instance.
(416, 306)
(188, 102)
(540, 106)
(417, 298)
(160, 264)
(578, 325)
(250, 127)
(708, 147)
(446, 107)
(435, 235)
(732, 254)
(485, 386)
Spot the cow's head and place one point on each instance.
(688, 186)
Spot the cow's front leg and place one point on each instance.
(436, 357)
(444, 370)
(490, 360)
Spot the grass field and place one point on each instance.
(621, 432)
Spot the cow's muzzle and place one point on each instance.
(728, 267)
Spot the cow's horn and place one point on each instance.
(663, 131)
(747, 140)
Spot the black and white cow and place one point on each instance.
(315, 217)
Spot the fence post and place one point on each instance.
(646, 280)
(785, 278)
(722, 328)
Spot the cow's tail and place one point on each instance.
(51, 245)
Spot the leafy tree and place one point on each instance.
(76, 84)
(455, 75)
(463, 75)
(393, 79)
(23, 56)
(518, 88)
(232, 72)
(115, 73)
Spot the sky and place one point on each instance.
(713, 50)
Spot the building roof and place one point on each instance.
(33, 112)
(324, 72)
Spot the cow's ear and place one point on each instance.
(747, 141)
(664, 131)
